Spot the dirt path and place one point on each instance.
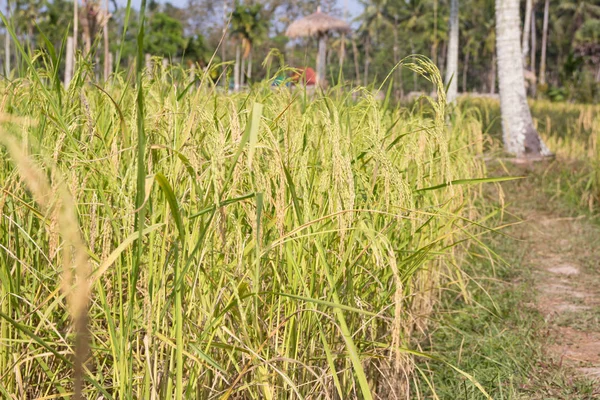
(564, 255)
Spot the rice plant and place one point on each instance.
(571, 132)
(553, 120)
(164, 239)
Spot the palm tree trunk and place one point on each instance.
(367, 61)
(75, 25)
(236, 69)
(223, 59)
(148, 64)
(493, 76)
(519, 134)
(7, 44)
(321, 60)
(398, 71)
(242, 72)
(544, 43)
(87, 39)
(106, 49)
(224, 46)
(533, 53)
(6, 54)
(452, 59)
(343, 43)
(29, 33)
(532, 57)
(434, 45)
(356, 65)
(465, 71)
(192, 72)
(443, 57)
(342, 51)
(69, 61)
(526, 30)
(412, 51)
(249, 74)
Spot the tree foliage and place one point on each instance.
(384, 32)
(165, 36)
(249, 25)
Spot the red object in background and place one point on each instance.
(306, 76)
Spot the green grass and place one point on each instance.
(499, 336)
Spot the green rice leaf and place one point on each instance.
(474, 181)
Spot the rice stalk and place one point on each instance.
(235, 248)
(74, 251)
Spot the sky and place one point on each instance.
(354, 7)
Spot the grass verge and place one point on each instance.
(498, 335)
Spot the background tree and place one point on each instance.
(54, 22)
(249, 26)
(385, 32)
(164, 36)
(92, 18)
(452, 60)
(519, 134)
(25, 15)
(196, 50)
(373, 18)
(544, 42)
(526, 30)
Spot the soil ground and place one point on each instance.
(531, 330)
(562, 250)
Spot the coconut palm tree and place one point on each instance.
(519, 134)
(7, 44)
(479, 45)
(107, 56)
(577, 12)
(526, 29)
(415, 17)
(249, 26)
(377, 16)
(372, 18)
(578, 19)
(412, 17)
(452, 59)
(544, 43)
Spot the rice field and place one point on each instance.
(163, 239)
(571, 131)
(578, 150)
(559, 120)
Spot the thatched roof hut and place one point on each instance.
(318, 25)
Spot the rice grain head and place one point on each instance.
(74, 251)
